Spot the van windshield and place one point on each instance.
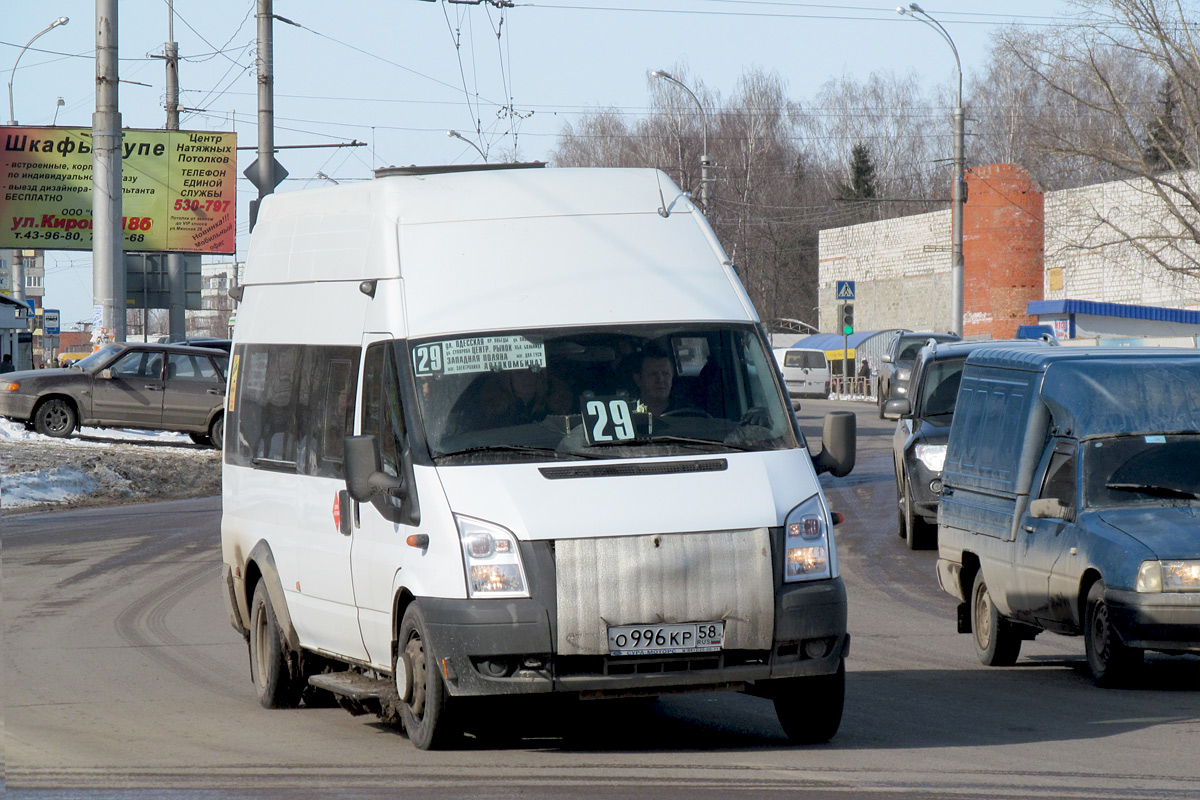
(617, 392)
(1141, 470)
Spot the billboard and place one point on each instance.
(179, 189)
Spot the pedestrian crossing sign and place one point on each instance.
(845, 290)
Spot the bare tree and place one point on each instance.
(910, 140)
(1104, 78)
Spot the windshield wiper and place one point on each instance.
(643, 441)
(1154, 491)
(511, 448)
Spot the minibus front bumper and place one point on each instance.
(502, 647)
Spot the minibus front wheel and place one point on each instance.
(810, 708)
(424, 701)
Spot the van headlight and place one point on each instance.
(492, 559)
(808, 553)
(933, 456)
(1168, 576)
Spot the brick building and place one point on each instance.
(1020, 246)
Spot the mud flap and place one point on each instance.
(964, 618)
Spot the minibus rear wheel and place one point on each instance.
(424, 713)
(269, 667)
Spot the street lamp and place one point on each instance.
(704, 162)
(957, 193)
(457, 135)
(11, 116)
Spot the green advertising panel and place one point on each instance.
(179, 190)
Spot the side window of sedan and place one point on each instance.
(129, 366)
(191, 368)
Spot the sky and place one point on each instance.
(396, 75)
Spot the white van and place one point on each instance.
(805, 371)
(517, 431)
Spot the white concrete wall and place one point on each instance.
(1089, 257)
(901, 268)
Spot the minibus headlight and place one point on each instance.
(1169, 576)
(808, 544)
(492, 559)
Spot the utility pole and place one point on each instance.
(957, 194)
(176, 272)
(108, 258)
(265, 173)
(958, 197)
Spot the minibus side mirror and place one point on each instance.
(839, 441)
(364, 478)
(897, 408)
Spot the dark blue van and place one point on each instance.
(1071, 502)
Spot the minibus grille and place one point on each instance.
(669, 578)
(638, 470)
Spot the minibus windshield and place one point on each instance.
(617, 392)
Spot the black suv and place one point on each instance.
(898, 361)
(919, 444)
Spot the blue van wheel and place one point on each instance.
(1111, 661)
(996, 641)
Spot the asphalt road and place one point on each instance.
(124, 679)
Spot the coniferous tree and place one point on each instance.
(862, 186)
(1164, 149)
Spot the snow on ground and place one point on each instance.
(101, 467)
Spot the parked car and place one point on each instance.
(805, 372)
(131, 385)
(897, 364)
(919, 443)
(1071, 492)
(208, 341)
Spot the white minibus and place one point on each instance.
(501, 432)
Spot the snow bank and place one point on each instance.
(98, 466)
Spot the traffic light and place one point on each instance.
(848, 319)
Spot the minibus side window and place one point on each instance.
(294, 408)
(383, 418)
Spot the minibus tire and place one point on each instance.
(425, 715)
(1111, 662)
(269, 664)
(997, 642)
(810, 709)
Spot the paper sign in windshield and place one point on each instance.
(486, 354)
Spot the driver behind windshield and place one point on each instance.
(654, 377)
